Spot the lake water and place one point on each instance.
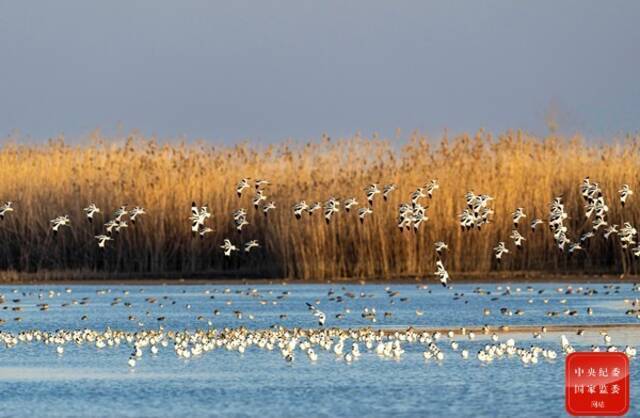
(87, 381)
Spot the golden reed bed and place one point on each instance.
(517, 169)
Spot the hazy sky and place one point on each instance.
(267, 70)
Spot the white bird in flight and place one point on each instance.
(349, 203)
(442, 273)
(299, 207)
(363, 212)
(198, 217)
(204, 231)
(312, 208)
(135, 212)
(500, 250)
(625, 192)
(417, 195)
(535, 223)
(242, 184)
(387, 189)
(6, 207)
(102, 240)
(228, 247)
(109, 226)
(440, 247)
(120, 213)
(371, 190)
(517, 238)
(330, 208)
(517, 215)
(261, 183)
(58, 222)
(121, 225)
(432, 186)
(269, 206)
(91, 210)
(259, 197)
(251, 244)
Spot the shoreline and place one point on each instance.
(71, 278)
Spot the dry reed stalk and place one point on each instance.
(517, 169)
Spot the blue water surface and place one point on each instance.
(86, 381)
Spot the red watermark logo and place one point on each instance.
(597, 383)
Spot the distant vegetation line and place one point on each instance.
(518, 170)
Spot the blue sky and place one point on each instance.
(269, 70)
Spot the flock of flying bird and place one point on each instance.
(411, 215)
(595, 207)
